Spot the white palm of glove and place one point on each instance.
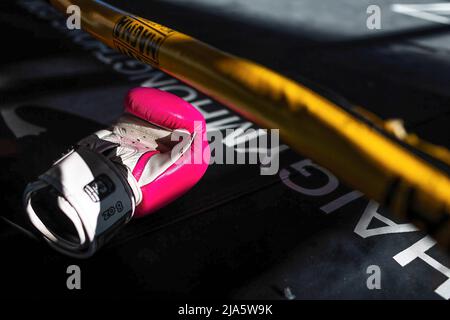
(130, 138)
(96, 183)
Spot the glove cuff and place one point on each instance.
(91, 196)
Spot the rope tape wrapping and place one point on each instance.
(363, 157)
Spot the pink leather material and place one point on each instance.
(169, 111)
(162, 108)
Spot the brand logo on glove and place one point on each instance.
(99, 188)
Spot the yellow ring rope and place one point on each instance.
(358, 154)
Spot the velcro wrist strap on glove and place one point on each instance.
(89, 191)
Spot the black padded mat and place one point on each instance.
(237, 234)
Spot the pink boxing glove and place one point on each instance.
(153, 154)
